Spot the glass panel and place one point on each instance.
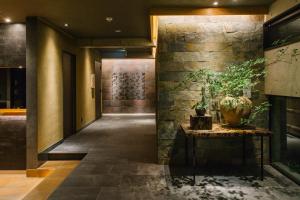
(292, 152)
(12, 88)
(283, 32)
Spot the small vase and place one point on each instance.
(200, 111)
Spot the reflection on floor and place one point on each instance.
(59, 171)
(120, 164)
(14, 185)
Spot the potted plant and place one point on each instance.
(229, 87)
(233, 86)
(201, 106)
(235, 81)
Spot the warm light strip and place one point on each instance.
(129, 114)
(12, 112)
(261, 10)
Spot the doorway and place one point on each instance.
(98, 89)
(69, 94)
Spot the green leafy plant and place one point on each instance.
(258, 110)
(203, 104)
(238, 77)
(200, 105)
(232, 82)
(235, 80)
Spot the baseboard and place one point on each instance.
(43, 156)
(65, 156)
(86, 125)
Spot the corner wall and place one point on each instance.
(189, 43)
(45, 46)
(85, 102)
(51, 44)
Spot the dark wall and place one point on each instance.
(12, 142)
(12, 45)
(293, 115)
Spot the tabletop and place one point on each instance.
(219, 130)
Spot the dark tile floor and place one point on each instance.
(120, 164)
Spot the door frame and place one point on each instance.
(98, 88)
(73, 90)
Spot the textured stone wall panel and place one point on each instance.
(12, 45)
(189, 43)
(135, 92)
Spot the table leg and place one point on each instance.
(244, 150)
(186, 151)
(262, 158)
(270, 149)
(194, 160)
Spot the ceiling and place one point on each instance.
(86, 18)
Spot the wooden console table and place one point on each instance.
(219, 131)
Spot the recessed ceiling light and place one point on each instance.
(216, 3)
(7, 20)
(66, 25)
(109, 19)
(118, 31)
(20, 67)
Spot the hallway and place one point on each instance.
(127, 136)
(121, 150)
(120, 164)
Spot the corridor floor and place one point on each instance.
(120, 164)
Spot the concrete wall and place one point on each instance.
(50, 84)
(279, 6)
(85, 94)
(193, 42)
(51, 44)
(117, 104)
(282, 76)
(12, 45)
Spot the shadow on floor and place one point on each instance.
(215, 157)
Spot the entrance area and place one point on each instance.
(159, 100)
(69, 94)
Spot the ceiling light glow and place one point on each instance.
(66, 25)
(216, 3)
(118, 31)
(109, 19)
(7, 20)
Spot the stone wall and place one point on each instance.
(12, 45)
(128, 85)
(188, 43)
